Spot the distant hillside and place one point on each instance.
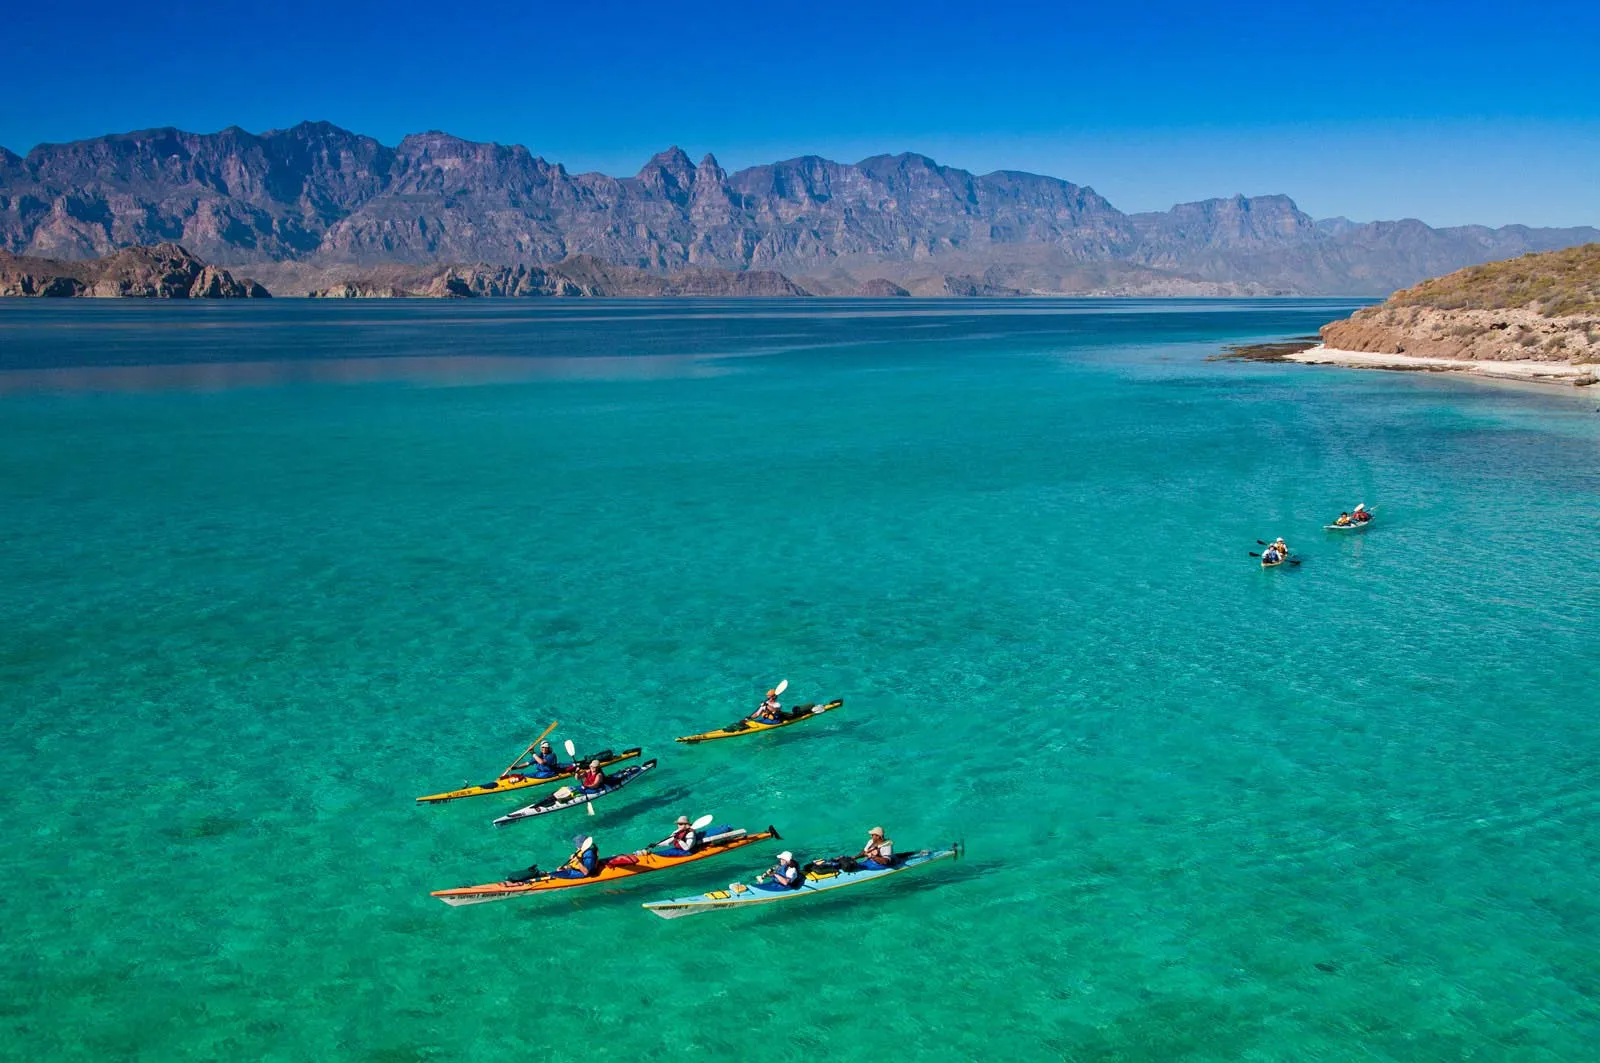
(165, 271)
(1540, 307)
(325, 201)
(577, 277)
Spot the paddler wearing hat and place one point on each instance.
(593, 778)
(583, 863)
(878, 853)
(769, 711)
(785, 874)
(683, 840)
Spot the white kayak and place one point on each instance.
(816, 880)
(572, 797)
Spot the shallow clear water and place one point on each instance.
(327, 558)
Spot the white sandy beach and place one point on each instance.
(1523, 371)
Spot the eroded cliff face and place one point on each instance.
(1504, 335)
(577, 277)
(322, 197)
(165, 271)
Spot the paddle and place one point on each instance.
(572, 751)
(531, 746)
(700, 824)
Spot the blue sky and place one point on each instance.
(1450, 112)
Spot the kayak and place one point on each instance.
(513, 781)
(615, 869)
(1274, 564)
(750, 727)
(567, 797)
(817, 880)
(1352, 526)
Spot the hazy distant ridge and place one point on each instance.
(317, 197)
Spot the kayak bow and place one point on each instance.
(750, 727)
(816, 881)
(722, 840)
(566, 797)
(513, 781)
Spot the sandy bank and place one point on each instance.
(1527, 371)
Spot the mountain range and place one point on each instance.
(317, 205)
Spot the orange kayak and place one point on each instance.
(615, 870)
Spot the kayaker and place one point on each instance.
(593, 778)
(683, 840)
(1344, 519)
(584, 863)
(1360, 516)
(770, 711)
(1281, 546)
(878, 853)
(785, 874)
(544, 762)
(1270, 556)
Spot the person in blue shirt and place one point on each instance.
(585, 863)
(784, 875)
(544, 763)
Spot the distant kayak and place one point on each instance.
(613, 870)
(569, 797)
(1352, 526)
(818, 880)
(750, 727)
(518, 781)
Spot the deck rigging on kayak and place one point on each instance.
(819, 876)
(517, 776)
(572, 797)
(583, 869)
(769, 716)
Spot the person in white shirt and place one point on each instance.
(878, 853)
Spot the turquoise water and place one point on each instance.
(328, 558)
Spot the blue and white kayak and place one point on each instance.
(817, 880)
(572, 797)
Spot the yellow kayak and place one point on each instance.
(750, 727)
(515, 781)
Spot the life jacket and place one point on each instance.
(587, 861)
(788, 877)
(593, 779)
(683, 838)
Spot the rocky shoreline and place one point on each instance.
(164, 271)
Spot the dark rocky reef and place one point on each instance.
(164, 271)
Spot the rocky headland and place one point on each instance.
(1536, 317)
(164, 271)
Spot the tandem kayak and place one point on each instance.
(567, 797)
(1352, 526)
(817, 880)
(515, 781)
(750, 727)
(616, 869)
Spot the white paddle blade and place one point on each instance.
(589, 805)
(703, 822)
(1361, 507)
(781, 687)
(572, 750)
